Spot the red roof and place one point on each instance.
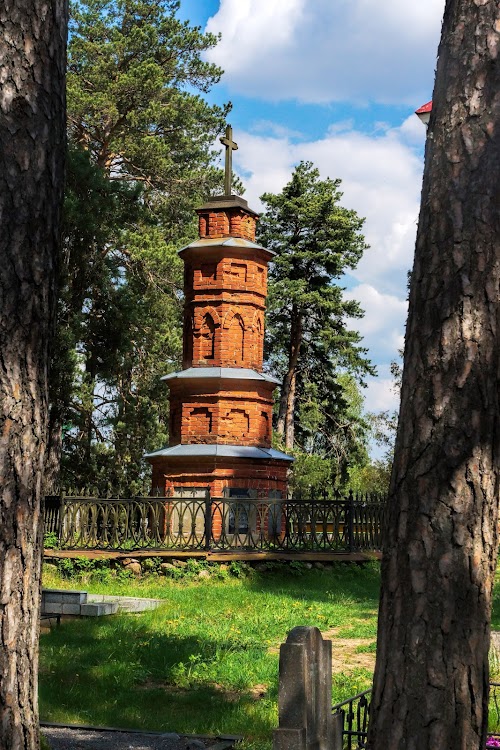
(424, 108)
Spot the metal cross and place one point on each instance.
(230, 147)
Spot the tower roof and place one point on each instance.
(222, 373)
(220, 202)
(228, 242)
(220, 451)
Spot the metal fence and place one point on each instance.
(353, 716)
(203, 523)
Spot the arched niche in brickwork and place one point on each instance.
(238, 312)
(265, 427)
(236, 424)
(200, 422)
(258, 337)
(200, 315)
(206, 321)
(235, 337)
(207, 337)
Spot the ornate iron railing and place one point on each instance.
(351, 718)
(197, 522)
(494, 709)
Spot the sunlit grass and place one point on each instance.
(206, 661)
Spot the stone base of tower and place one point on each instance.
(221, 476)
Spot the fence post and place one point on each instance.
(350, 521)
(60, 520)
(337, 731)
(305, 692)
(208, 522)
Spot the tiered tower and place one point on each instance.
(221, 401)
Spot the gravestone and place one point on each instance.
(305, 692)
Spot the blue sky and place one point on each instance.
(336, 82)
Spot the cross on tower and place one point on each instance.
(231, 146)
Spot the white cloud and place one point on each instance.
(276, 129)
(381, 180)
(324, 51)
(411, 131)
(380, 396)
(381, 176)
(382, 326)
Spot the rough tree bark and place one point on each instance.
(53, 453)
(285, 425)
(431, 677)
(32, 145)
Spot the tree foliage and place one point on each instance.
(309, 342)
(134, 73)
(141, 138)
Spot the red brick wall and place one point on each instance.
(225, 335)
(201, 416)
(225, 305)
(220, 474)
(225, 291)
(233, 222)
(221, 271)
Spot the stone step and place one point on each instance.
(62, 601)
(126, 603)
(80, 603)
(98, 609)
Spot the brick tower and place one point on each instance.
(221, 401)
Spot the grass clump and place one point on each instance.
(206, 661)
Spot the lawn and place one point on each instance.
(206, 661)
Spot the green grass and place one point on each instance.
(206, 661)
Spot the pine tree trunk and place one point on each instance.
(52, 467)
(431, 677)
(285, 423)
(290, 414)
(32, 145)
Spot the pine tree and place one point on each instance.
(431, 676)
(141, 158)
(316, 240)
(32, 146)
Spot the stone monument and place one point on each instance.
(221, 401)
(305, 692)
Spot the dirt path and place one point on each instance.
(345, 656)
(76, 738)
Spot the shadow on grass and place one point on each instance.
(122, 672)
(205, 662)
(359, 583)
